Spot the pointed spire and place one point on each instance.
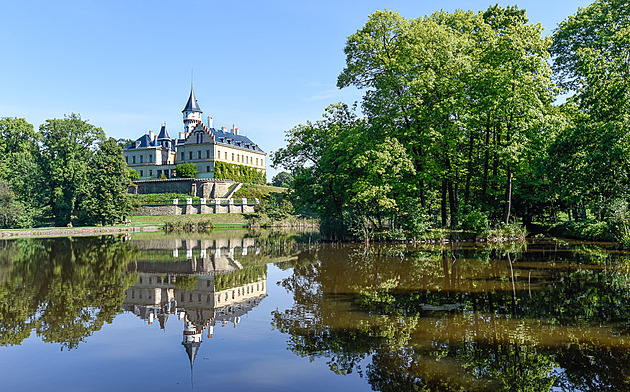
(191, 105)
(191, 350)
(163, 135)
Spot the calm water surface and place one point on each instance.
(279, 312)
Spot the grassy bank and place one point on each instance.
(216, 220)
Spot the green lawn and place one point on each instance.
(218, 220)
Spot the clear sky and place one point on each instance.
(125, 66)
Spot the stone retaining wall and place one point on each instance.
(208, 187)
(214, 207)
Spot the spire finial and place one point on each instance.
(191, 77)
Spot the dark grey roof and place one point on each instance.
(191, 105)
(191, 350)
(163, 134)
(232, 140)
(143, 141)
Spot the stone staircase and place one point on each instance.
(232, 190)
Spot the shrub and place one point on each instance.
(186, 170)
(239, 173)
(475, 221)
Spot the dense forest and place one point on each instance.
(65, 173)
(474, 120)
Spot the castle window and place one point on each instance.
(141, 173)
(207, 154)
(190, 155)
(208, 169)
(151, 158)
(126, 159)
(141, 158)
(226, 156)
(133, 158)
(198, 154)
(256, 161)
(237, 158)
(232, 157)
(182, 156)
(150, 173)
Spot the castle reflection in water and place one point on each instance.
(201, 282)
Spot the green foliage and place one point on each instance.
(189, 225)
(13, 213)
(186, 282)
(276, 206)
(239, 173)
(133, 174)
(414, 218)
(238, 278)
(589, 160)
(165, 198)
(590, 229)
(19, 167)
(123, 142)
(186, 170)
(476, 221)
(66, 152)
(62, 289)
(106, 200)
(282, 179)
(456, 106)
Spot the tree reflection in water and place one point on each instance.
(63, 289)
(464, 318)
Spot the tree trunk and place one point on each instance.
(508, 197)
(452, 202)
(469, 168)
(486, 165)
(443, 205)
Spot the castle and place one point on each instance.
(155, 157)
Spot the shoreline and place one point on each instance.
(75, 231)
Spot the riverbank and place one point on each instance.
(138, 224)
(75, 231)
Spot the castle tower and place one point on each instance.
(164, 138)
(192, 113)
(191, 341)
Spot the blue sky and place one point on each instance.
(125, 66)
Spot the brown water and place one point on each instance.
(278, 311)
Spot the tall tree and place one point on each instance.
(18, 160)
(107, 200)
(459, 91)
(68, 145)
(591, 60)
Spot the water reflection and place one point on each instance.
(521, 317)
(63, 289)
(216, 283)
(464, 318)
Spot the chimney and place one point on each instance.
(236, 131)
(224, 129)
(209, 122)
(181, 135)
(233, 129)
(151, 135)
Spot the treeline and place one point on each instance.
(66, 173)
(460, 129)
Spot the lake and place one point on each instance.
(279, 311)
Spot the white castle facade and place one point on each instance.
(156, 156)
